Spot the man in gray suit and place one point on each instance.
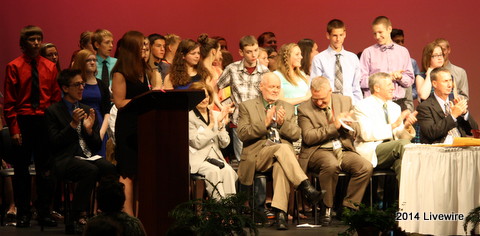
(327, 144)
(267, 129)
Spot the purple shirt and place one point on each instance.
(386, 58)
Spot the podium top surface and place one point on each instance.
(165, 100)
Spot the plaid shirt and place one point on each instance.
(244, 86)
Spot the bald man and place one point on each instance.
(267, 129)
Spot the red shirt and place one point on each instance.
(18, 86)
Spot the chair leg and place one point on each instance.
(296, 214)
(69, 226)
(371, 193)
(315, 211)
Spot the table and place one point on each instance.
(438, 180)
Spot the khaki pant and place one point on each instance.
(326, 164)
(286, 170)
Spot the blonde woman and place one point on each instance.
(295, 85)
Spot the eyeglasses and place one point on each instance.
(91, 60)
(437, 55)
(77, 85)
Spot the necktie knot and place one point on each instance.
(33, 63)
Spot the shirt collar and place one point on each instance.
(379, 100)
(441, 101)
(70, 106)
(332, 51)
(386, 46)
(265, 103)
(258, 67)
(100, 59)
(28, 59)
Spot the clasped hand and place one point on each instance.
(407, 118)
(459, 107)
(279, 118)
(79, 114)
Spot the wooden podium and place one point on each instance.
(163, 165)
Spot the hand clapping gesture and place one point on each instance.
(459, 107)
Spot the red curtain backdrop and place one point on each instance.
(422, 22)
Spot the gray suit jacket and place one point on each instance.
(316, 130)
(205, 142)
(253, 133)
(434, 125)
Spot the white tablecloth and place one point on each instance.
(438, 180)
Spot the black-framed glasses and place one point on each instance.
(437, 55)
(77, 85)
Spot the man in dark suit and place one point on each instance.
(440, 119)
(327, 144)
(74, 135)
(267, 129)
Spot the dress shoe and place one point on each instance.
(47, 221)
(281, 220)
(311, 194)
(23, 221)
(11, 219)
(326, 216)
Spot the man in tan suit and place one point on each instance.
(267, 129)
(327, 144)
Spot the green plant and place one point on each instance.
(227, 216)
(369, 217)
(472, 218)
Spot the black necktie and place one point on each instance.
(105, 76)
(35, 93)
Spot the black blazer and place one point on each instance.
(64, 139)
(434, 125)
(106, 103)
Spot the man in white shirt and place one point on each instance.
(384, 128)
(341, 67)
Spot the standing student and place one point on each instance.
(31, 87)
(386, 56)
(243, 77)
(309, 50)
(186, 67)
(102, 41)
(339, 66)
(49, 51)
(157, 53)
(458, 73)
